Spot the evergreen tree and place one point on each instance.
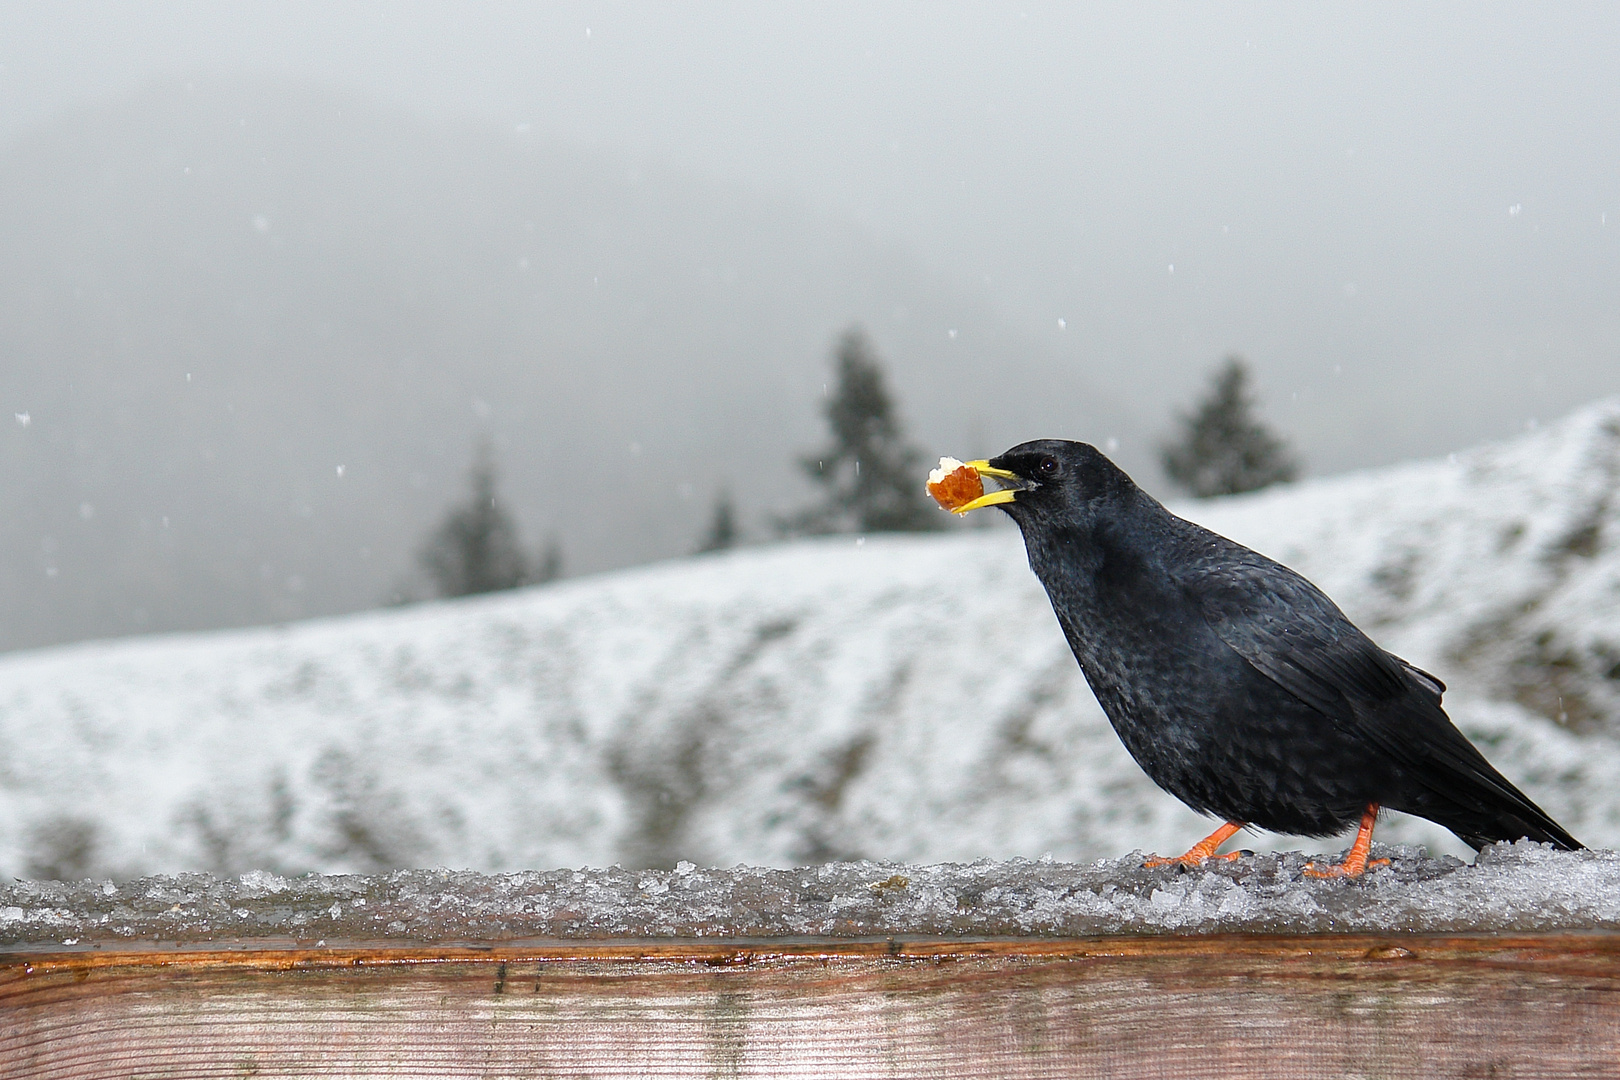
(723, 531)
(475, 549)
(550, 565)
(1224, 449)
(873, 477)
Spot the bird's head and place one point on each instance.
(1049, 477)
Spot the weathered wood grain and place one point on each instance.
(1243, 1005)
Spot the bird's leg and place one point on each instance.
(1355, 863)
(1204, 850)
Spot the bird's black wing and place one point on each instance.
(1289, 630)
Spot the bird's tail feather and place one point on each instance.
(1469, 797)
(1477, 832)
(1457, 787)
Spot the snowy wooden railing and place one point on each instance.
(1429, 968)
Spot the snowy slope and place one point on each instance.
(897, 698)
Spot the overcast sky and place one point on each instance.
(1407, 219)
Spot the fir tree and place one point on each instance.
(1224, 449)
(475, 549)
(872, 476)
(723, 532)
(549, 567)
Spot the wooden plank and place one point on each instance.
(1140, 1007)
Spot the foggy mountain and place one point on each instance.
(904, 698)
(251, 331)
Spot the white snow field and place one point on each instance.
(901, 699)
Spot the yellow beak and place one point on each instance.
(984, 468)
(989, 498)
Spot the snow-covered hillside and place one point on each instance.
(897, 698)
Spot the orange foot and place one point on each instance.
(1355, 863)
(1203, 851)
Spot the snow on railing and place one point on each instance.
(1428, 967)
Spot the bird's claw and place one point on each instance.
(1192, 859)
(1344, 869)
(1201, 852)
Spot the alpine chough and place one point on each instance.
(1237, 685)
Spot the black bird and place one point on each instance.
(1237, 685)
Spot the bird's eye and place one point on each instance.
(1048, 466)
